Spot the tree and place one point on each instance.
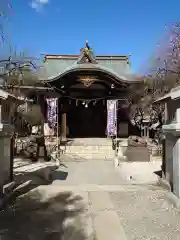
(165, 69)
(5, 10)
(142, 107)
(162, 75)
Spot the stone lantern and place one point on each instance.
(171, 129)
(8, 103)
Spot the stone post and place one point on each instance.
(7, 105)
(176, 168)
(172, 153)
(63, 127)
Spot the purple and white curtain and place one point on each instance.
(111, 117)
(52, 111)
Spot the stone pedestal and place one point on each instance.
(176, 168)
(8, 104)
(171, 128)
(6, 160)
(172, 156)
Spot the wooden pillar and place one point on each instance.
(63, 127)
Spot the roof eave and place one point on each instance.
(118, 79)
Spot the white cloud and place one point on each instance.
(43, 1)
(38, 4)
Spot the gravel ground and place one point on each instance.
(145, 214)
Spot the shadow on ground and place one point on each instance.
(31, 217)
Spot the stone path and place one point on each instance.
(99, 172)
(93, 202)
(91, 212)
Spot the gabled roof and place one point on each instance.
(56, 66)
(173, 95)
(4, 95)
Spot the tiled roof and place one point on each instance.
(57, 65)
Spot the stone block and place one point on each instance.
(9, 187)
(138, 154)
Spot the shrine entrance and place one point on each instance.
(87, 120)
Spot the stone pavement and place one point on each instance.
(91, 212)
(100, 172)
(93, 202)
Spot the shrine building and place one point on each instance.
(84, 84)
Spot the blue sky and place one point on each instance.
(111, 26)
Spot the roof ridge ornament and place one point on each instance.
(87, 55)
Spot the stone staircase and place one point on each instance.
(80, 149)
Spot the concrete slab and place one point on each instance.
(80, 227)
(100, 201)
(107, 226)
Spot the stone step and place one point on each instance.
(90, 142)
(89, 147)
(105, 150)
(91, 153)
(81, 157)
(84, 150)
(81, 151)
(89, 156)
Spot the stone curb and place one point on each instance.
(175, 201)
(164, 183)
(171, 197)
